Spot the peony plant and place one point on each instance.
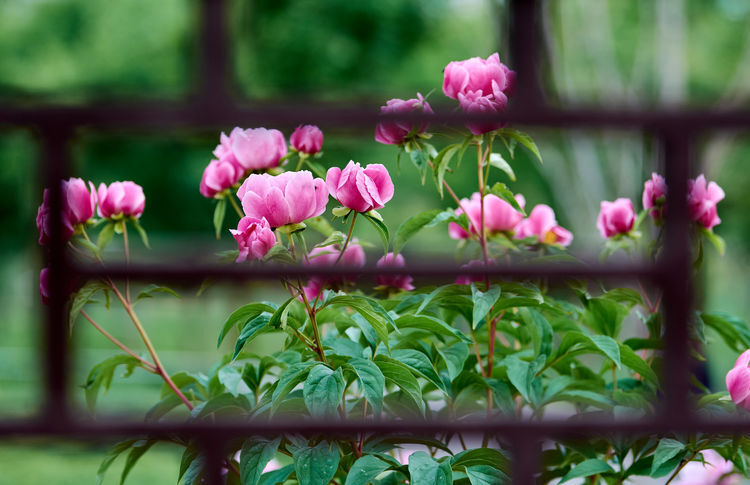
(398, 349)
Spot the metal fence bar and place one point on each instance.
(212, 106)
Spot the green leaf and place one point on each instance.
(421, 364)
(605, 316)
(276, 477)
(441, 164)
(252, 329)
(100, 376)
(734, 331)
(454, 357)
(254, 456)
(365, 469)
(522, 138)
(424, 470)
(320, 224)
(278, 315)
(105, 235)
(149, 291)
(317, 465)
(323, 390)
(497, 161)
(522, 375)
(716, 240)
(278, 252)
(501, 190)
(483, 302)
(139, 448)
(82, 297)
(482, 456)
(141, 232)
(381, 228)
(414, 224)
(111, 456)
(608, 346)
(633, 361)
(364, 308)
(586, 469)
(665, 451)
(219, 212)
(231, 378)
(188, 457)
(242, 315)
(194, 472)
(485, 475)
(400, 375)
(372, 381)
(419, 159)
(336, 237)
(292, 376)
(431, 324)
(543, 333)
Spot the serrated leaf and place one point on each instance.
(254, 456)
(424, 470)
(219, 212)
(365, 469)
(323, 390)
(586, 469)
(317, 465)
(372, 381)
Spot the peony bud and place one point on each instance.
(541, 224)
(499, 215)
(654, 196)
(218, 177)
(254, 238)
(44, 220)
(289, 198)
(484, 77)
(252, 149)
(395, 132)
(400, 282)
(121, 199)
(615, 217)
(360, 189)
(738, 381)
(702, 201)
(79, 200)
(307, 139)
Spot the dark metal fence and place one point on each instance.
(213, 106)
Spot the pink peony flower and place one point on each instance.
(254, 238)
(702, 201)
(44, 220)
(121, 199)
(218, 177)
(474, 103)
(715, 471)
(44, 285)
(289, 198)
(655, 189)
(360, 189)
(307, 139)
(252, 149)
(79, 200)
(499, 215)
(738, 381)
(615, 217)
(484, 77)
(395, 132)
(542, 224)
(353, 257)
(401, 282)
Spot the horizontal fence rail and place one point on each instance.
(213, 105)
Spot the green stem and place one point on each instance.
(348, 238)
(302, 158)
(148, 365)
(313, 323)
(127, 259)
(236, 206)
(482, 235)
(680, 467)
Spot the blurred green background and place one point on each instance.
(611, 53)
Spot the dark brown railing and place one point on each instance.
(214, 107)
